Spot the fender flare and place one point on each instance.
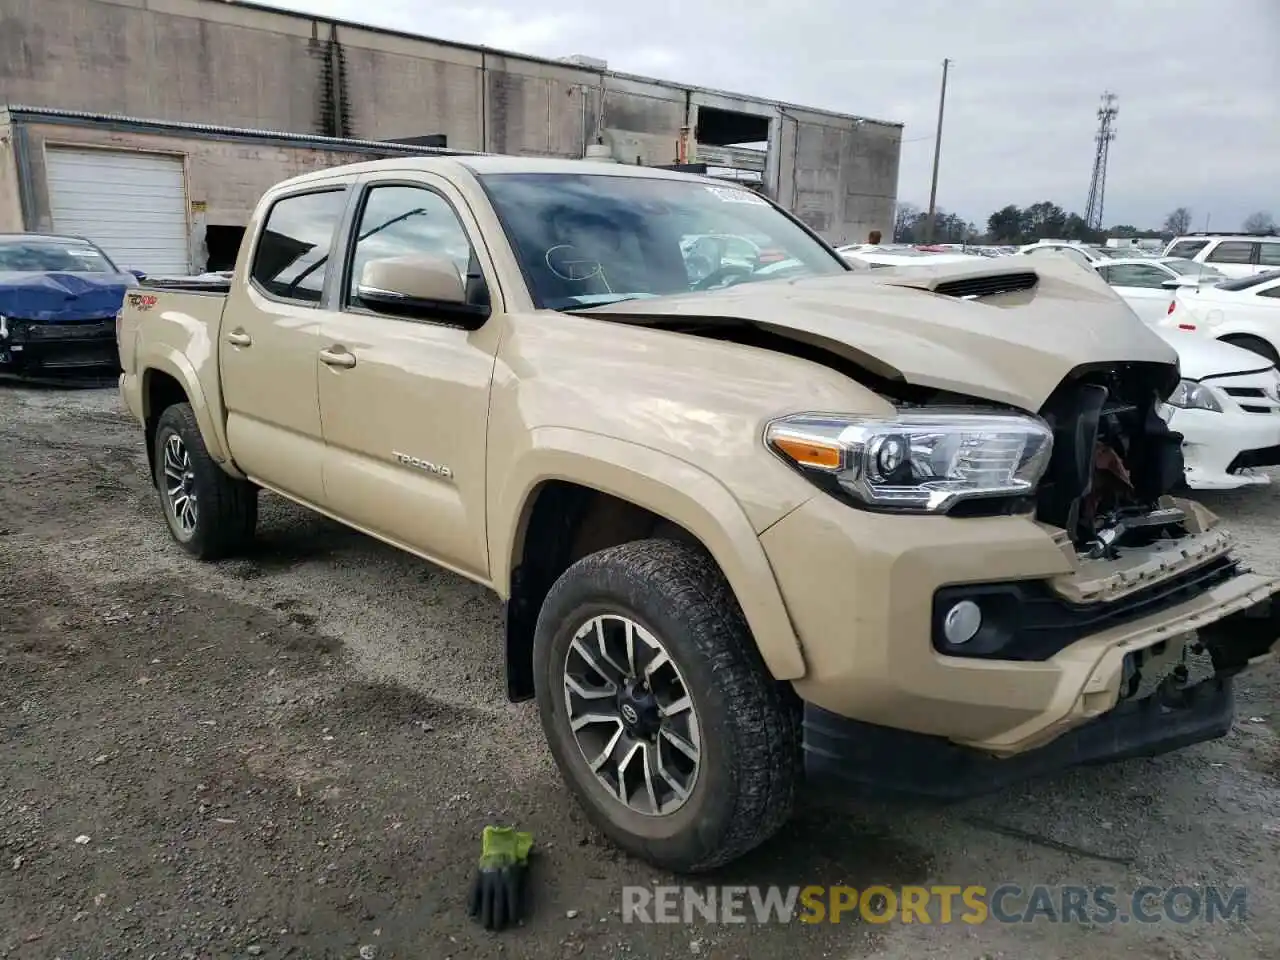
(165, 359)
(668, 487)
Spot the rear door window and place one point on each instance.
(292, 256)
(1231, 251)
(1136, 275)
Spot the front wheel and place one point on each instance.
(210, 513)
(658, 709)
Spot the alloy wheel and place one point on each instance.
(180, 485)
(632, 715)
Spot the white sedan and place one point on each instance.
(1227, 408)
(1244, 312)
(1147, 284)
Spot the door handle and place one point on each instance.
(337, 357)
(238, 338)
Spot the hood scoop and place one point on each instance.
(975, 288)
(975, 281)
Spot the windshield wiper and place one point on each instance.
(603, 303)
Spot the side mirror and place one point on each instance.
(420, 286)
(138, 274)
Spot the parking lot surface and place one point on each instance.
(293, 754)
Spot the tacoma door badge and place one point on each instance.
(435, 469)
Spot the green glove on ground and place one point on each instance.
(497, 893)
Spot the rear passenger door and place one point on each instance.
(1235, 258)
(405, 400)
(270, 340)
(1268, 256)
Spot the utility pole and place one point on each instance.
(937, 153)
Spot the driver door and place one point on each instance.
(404, 401)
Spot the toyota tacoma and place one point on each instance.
(755, 524)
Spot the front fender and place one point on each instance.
(668, 487)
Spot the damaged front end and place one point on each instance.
(1148, 567)
(1111, 485)
(42, 350)
(1115, 460)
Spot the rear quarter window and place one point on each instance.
(1187, 248)
(1269, 253)
(292, 256)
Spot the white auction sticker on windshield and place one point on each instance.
(730, 195)
(85, 252)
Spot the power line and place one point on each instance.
(1098, 183)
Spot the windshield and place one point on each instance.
(51, 255)
(585, 239)
(1244, 283)
(1189, 268)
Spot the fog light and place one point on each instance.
(962, 622)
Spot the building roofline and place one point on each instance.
(265, 7)
(212, 131)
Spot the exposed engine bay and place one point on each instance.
(1114, 459)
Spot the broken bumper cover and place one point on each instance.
(879, 759)
(66, 348)
(860, 589)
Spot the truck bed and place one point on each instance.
(209, 283)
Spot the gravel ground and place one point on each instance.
(293, 754)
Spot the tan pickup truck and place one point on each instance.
(757, 520)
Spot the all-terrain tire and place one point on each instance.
(749, 722)
(226, 511)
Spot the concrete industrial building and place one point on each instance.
(201, 104)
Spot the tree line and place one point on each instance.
(1044, 220)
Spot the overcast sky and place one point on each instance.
(1198, 83)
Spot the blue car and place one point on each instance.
(58, 302)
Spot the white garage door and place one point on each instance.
(133, 205)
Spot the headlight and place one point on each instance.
(919, 462)
(1193, 396)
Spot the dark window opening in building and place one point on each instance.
(733, 145)
(222, 241)
(727, 128)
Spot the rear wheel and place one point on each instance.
(658, 709)
(211, 514)
(1256, 345)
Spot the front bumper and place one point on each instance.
(66, 348)
(859, 588)
(1220, 449)
(1170, 717)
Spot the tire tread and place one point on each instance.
(228, 505)
(766, 718)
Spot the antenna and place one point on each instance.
(1098, 184)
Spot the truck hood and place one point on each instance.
(1007, 330)
(62, 297)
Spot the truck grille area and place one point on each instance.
(1028, 621)
(1112, 453)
